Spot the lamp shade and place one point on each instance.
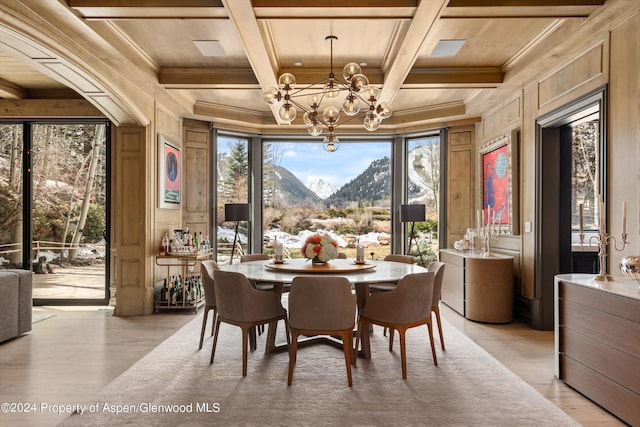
(237, 212)
(412, 213)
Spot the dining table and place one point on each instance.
(360, 275)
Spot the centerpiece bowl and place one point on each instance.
(630, 267)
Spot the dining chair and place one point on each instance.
(384, 287)
(206, 274)
(342, 255)
(407, 306)
(242, 305)
(262, 286)
(321, 306)
(437, 268)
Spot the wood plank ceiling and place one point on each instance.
(259, 40)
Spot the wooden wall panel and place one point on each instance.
(571, 76)
(460, 182)
(130, 198)
(197, 152)
(499, 121)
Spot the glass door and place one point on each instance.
(69, 220)
(11, 195)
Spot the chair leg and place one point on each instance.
(245, 336)
(433, 347)
(403, 352)
(436, 310)
(213, 321)
(215, 340)
(384, 331)
(204, 325)
(293, 351)
(391, 335)
(347, 343)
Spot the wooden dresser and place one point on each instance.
(479, 288)
(597, 341)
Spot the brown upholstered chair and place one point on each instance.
(342, 255)
(240, 304)
(321, 306)
(254, 257)
(263, 286)
(405, 307)
(206, 274)
(382, 287)
(437, 268)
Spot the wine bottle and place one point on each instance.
(164, 291)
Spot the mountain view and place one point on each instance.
(321, 187)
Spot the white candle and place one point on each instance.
(279, 248)
(488, 214)
(624, 217)
(478, 222)
(580, 207)
(602, 216)
(360, 254)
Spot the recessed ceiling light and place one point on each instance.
(363, 64)
(298, 64)
(209, 47)
(447, 47)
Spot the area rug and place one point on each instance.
(174, 385)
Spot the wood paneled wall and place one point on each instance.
(460, 182)
(598, 54)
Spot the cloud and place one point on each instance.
(290, 153)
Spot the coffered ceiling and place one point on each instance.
(255, 41)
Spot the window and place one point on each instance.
(346, 194)
(232, 187)
(423, 187)
(11, 195)
(585, 174)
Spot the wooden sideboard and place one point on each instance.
(479, 288)
(597, 341)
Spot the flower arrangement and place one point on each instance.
(320, 248)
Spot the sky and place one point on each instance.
(309, 161)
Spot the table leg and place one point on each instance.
(362, 292)
(271, 337)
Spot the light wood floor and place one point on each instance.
(68, 357)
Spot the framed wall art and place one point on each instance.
(169, 171)
(498, 163)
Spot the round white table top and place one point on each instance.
(383, 271)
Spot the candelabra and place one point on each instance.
(603, 239)
(486, 233)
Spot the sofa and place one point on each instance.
(15, 303)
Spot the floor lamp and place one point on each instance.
(413, 214)
(236, 212)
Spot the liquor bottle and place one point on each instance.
(164, 292)
(196, 242)
(165, 244)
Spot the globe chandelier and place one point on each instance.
(323, 111)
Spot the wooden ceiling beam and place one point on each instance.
(442, 77)
(201, 78)
(209, 78)
(492, 9)
(9, 90)
(148, 9)
(520, 3)
(425, 17)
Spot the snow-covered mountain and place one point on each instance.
(321, 187)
